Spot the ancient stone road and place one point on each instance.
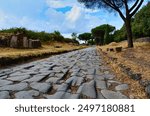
(75, 75)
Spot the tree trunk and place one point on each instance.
(129, 32)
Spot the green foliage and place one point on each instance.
(108, 38)
(85, 37)
(120, 35)
(103, 34)
(68, 40)
(91, 42)
(56, 36)
(74, 35)
(43, 36)
(141, 24)
(98, 34)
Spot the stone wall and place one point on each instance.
(19, 41)
(4, 42)
(34, 43)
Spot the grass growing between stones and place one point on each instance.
(46, 50)
(137, 59)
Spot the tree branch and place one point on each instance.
(136, 9)
(136, 3)
(127, 8)
(113, 6)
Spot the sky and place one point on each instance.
(66, 16)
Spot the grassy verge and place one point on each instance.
(137, 59)
(10, 56)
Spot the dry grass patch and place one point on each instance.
(46, 48)
(137, 58)
(10, 56)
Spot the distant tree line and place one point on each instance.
(105, 34)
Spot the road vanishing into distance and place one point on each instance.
(79, 74)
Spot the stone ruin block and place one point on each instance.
(19, 41)
(25, 42)
(13, 42)
(111, 49)
(118, 49)
(34, 43)
(4, 42)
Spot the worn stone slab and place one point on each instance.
(63, 87)
(90, 71)
(89, 89)
(5, 82)
(90, 77)
(75, 96)
(18, 73)
(4, 77)
(79, 91)
(113, 95)
(64, 95)
(4, 95)
(109, 76)
(99, 95)
(113, 81)
(122, 87)
(69, 80)
(59, 75)
(35, 78)
(147, 89)
(57, 95)
(19, 78)
(53, 80)
(99, 77)
(14, 87)
(100, 84)
(42, 87)
(26, 94)
(77, 81)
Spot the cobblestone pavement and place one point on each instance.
(76, 75)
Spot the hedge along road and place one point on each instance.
(75, 75)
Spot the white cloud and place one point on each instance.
(60, 3)
(74, 14)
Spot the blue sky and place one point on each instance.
(66, 16)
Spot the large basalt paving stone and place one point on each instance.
(14, 87)
(122, 87)
(89, 89)
(19, 78)
(99, 95)
(4, 95)
(42, 87)
(5, 82)
(77, 81)
(35, 78)
(63, 87)
(113, 95)
(26, 94)
(101, 84)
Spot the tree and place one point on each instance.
(118, 6)
(98, 34)
(85, 37)
(57, 36)
(108, 29)
(74, 35)
(141, 23)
